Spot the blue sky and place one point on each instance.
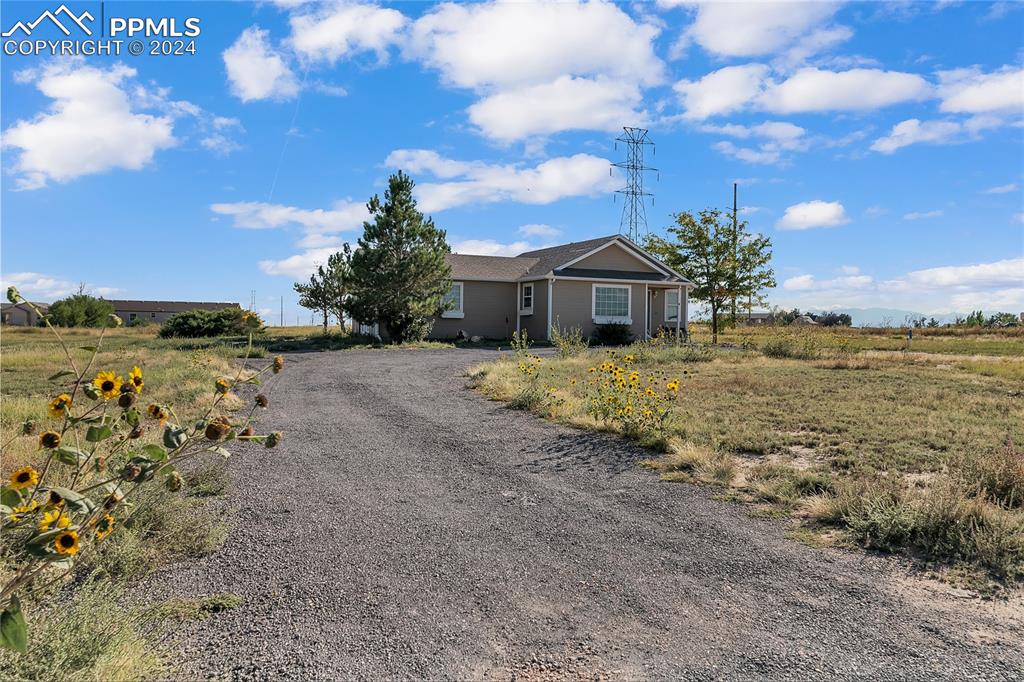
(879, 145)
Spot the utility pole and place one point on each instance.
(634, 213)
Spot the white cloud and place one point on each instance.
(922, 215)
(809, 283)
(490, 247)
(1002, 189)
(299, 266)
(811, 89)
(812, 214)
(476, 182)
(750, 29)
(257, 215)
(970, 91)
(92, 125)
(723, 91)
(502, 44)
(982, 275)
(749, 86)
(1018, 218)
(915, 131)
(778, 137)
(337, 31)
(37, 287)
(256, 71)
(849, 269)
(539, 230)
(875, 211)
(566, 103)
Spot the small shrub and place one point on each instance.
(80, 310)
(998, 475)
(208, 479)
(638, 403)
(612, 334)
(231, 321)
(569, 342)
(521, 344)
(195, 609)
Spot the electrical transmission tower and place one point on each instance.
(634, 212)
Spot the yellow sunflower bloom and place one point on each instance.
(58, 407)
(104, 526)
(24, 477)
(49, 440)
(222, 385)
(108, 384)
(19, 512)
(66, 543)
(135, 379)
(54, 517)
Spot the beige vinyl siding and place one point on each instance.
(489, 311)
(573, 306)
(614, 258)
(536, 325)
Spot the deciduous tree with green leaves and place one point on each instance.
(701, 248)
(328, 288)
(399, 273)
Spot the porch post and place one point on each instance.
(519, 298)
(647, 312)
(679, 311)
(686, 312)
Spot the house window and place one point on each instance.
(611, 303)
(153, 315)
(526, 306)
(671, 305)
(132, 317)
(453, 301)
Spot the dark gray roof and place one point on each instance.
(550, 258)
(494, 268)
(24, 306)
(167, 306)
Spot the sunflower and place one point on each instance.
(58, 407)
(49, 440)
(54, 517)
(108, 384)
(158, 412)
(24, 477)
(18, 512)
(135, 379)
(54, 498)
(222, 385)
(672, 386)
(66, 542)
(104, 526)
(278, 364)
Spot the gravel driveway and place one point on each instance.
(408, 527)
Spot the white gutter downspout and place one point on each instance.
(686, 311)
(519, 298)
(647, 313)
(679, 312)
(551, 287)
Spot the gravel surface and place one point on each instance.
(408, 527)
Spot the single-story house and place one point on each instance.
(582, 284)
(753, 319)
(159, 311)
(20, 314)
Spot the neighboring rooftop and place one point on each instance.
(127, 306)
(496, 268)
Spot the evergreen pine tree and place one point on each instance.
(399, 274)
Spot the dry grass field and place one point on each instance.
(917, 452)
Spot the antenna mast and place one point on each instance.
(634, 213)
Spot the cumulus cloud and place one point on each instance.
(809, 283)
(567, 103)
(915, 131)
(1002, 189)
(490, 247)
(541, 68)
(922, 215)
(256, 70)
(257, 215)
(95, 123)
(299, 266)
(972, 91)
(337, 31)
(776, 137)
(539, 230)
(38, 287)
(752, 29)
(749, 86)
(476, 182)
(813, 214)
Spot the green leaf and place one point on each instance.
(62, 373)
(174, 436)
(91, 349)
(132, 417)
(5, 510)
(155, 452)
(13, 630)
(95, 434)
(10, 496)
(75, 500)
(70, 456)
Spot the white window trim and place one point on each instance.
(459, 312)
(522, 294)
(679, 303)
(611, 319)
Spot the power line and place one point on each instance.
(634, 211)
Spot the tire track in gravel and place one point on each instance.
(407, 527)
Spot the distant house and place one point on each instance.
(159, 311)
(20, 314)
(804, 321)
(582, 284)
(754, 319)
